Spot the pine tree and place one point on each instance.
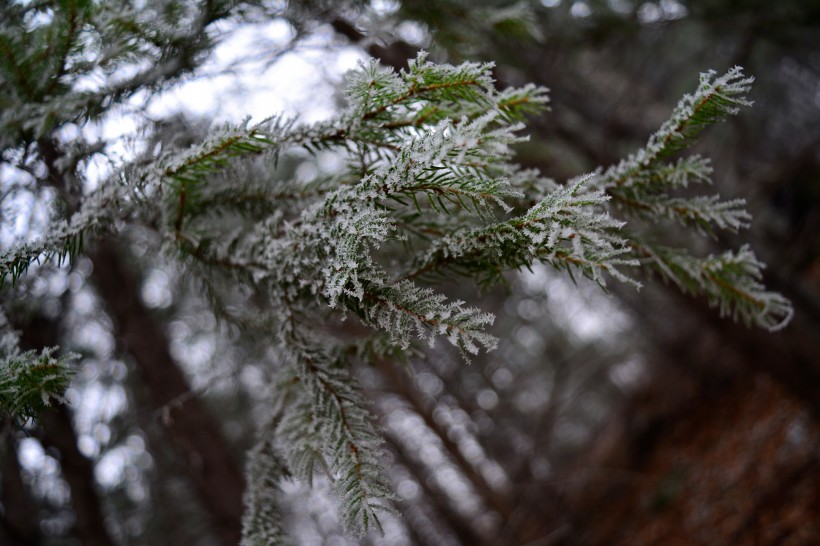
(430, 192)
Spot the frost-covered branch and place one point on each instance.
(731, 281)
(715, 99)
(425, 188)
(65, 239)
(30, 380)
(326, 425)
(564, 229)
(643, 183)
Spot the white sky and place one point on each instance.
(244, 78)
(301, 83)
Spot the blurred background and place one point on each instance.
(603, 418)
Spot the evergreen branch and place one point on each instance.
(190, 170)
(647, 196)
(561, 229)
(642, 183)
(705, 211)
(515, 103)
(664, 177)
(435, 132)
(262, 521)
(348, 264)
(404, 311)
(62, 243)
(374, 90)
(416, 92)
(730, 281)
(215, 153)
(13, 67)
(30, 381)
(302, 434)
(69, 34)
(331, 427)
(712, 102)
(450, 161)
(702, 212)
(64, 240)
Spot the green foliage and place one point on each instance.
(262, 521)
(560, 230)
(645, 183)
(429, 164)
(731, 281)
(32, 380)
(326, 425)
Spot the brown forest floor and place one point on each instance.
(739, 466)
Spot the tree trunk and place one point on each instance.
(19, 511)
(217, 478)
(78, 471)
(58, 432)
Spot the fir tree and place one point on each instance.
(430, 192)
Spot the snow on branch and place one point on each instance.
(715, 99)
(65, 239)
(262, 521)
(564, 229)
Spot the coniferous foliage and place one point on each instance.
(430, 191)
(30, 380)
(642, 185)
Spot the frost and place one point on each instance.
(427, 190)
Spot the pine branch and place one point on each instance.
(404, 311)
(32, 380)
(64, 240)
(330, 427)
(199, 161)
(376, 92)
(563, 229)
(713, 101)
(642, 183)
(702, 212)
(386, 107)
(449, 161)
(262, 520)
(730, 281)
(429, 163)
(516, 103)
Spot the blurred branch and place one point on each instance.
(441, 506)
